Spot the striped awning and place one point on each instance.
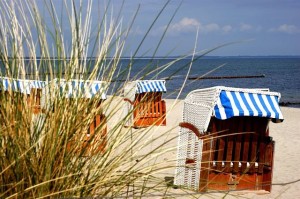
(20, 85)
(238, 103)
(81, 88)
(145, 86)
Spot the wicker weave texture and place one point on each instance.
(189, 147)
(198, 113)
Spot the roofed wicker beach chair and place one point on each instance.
(144, 100)
(92, 143)
(224, 141)
(26, 92)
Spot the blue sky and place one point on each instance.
(266, 27)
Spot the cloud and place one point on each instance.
(212, 27)
(185, 25)
(227, 28)
(285, 28)
(137, 31)
(245, 27)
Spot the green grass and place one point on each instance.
(36, 157)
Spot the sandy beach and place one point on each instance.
(286, 176)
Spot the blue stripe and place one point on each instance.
(251, 95)
(272, 105)
(144, 86)
(217, 112)
(227, 104)
(237, 104)
(264, 105)
(251, 112)
(6, 84)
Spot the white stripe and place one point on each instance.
(264, 113)
(255, 112)
(93, 87)
(143, 87)
(234, 108)
(152, 85)
(268, 106)
(21, 86)
(276, 105)
(148, 86)
(155, 86)
(242, 104)
(221, 109)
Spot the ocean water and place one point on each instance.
(279, 74)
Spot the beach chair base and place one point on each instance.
(237, 154)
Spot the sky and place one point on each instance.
(245, 27)
(252, 27)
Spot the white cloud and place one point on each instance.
(212, 27)
(227, 28)
(191, 25)
(185, 25)
(291, 29)
(245, 27)
(137, 31)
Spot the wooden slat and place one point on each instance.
(91, 130)
(238, 148)
(221, 146)
(157, 109)
(98, 120)
(246, 146)
(268, 170)
(253, 153)
(149, 109)
(213, 126)
(262, 145)
(229, 153)
(205, 163)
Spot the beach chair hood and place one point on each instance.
(143, 86)
(77, 88)
(20, 85)
(147, 86)
(226, 102)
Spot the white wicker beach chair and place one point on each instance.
(225, 109)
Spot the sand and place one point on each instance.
(286, 173)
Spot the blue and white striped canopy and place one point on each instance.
(237, 103)
(20, 85)
(81, 88)
(145, 86)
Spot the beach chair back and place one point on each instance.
(149, 109)
(144, 100)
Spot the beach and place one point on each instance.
(286, 178)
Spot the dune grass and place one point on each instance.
(41, 153)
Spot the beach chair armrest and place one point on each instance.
(191, 127)
(128, 100)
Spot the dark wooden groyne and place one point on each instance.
(226, 77)
(203, 77)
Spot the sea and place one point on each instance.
(183, 75)
(277, 73)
